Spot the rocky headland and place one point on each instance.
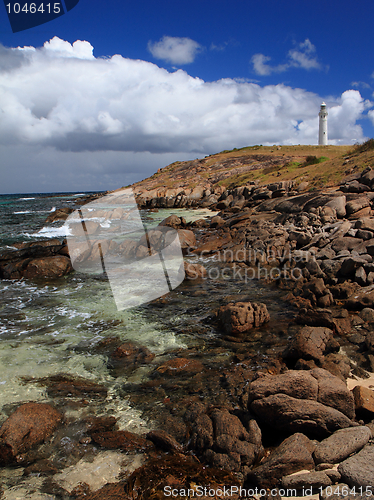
(301, 416)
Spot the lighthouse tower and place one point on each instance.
(322, 137)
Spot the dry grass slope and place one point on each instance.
(319, 166)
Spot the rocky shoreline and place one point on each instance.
(289, 422)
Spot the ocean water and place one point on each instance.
(50, 327)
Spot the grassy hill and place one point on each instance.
(319, 166)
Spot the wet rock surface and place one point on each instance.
(261, 406)
(29, 425)
(42, 259)
(241, 317)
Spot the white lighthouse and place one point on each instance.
(322, 137)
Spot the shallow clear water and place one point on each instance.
(57, 326)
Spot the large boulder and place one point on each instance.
(48, 267)
(364, 399)
(313, 479)
(333, 392)
(29, 425)
(312, 401)
(289, 414)
(341, 445)
(292, 455)
(311, 343)
(358, 470)
(187, 239)
(224, 441)
(240, 317)
(173, 221)
(295, 383)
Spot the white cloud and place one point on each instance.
(175, 50)
(261, 68)
(60, 48)
(363, 85)
(371, 115)
(68, 115)
(303, 56)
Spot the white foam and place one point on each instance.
(26, 199)
(105, 468)
(25, 212)
(51, 232)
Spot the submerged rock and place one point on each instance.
(239, 317)
(29, 425)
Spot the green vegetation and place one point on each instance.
(293, 165)
(361, 148)
(245, 148)
(313, 160)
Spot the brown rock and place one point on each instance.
(296, 383)
(358, 470)
(194, 271)
(366, 224)
(29, 425)
(48, 267)
(292, 455)
(187, 240)
(364, 212)
(164, 441)
(172, 221)
(216, 221)
(311, 343)
(299, 415)
(357, 205)
(123, 440)
(132, 354)
(180, 366)
(41, 468)
(213, 244)
(333, 392)
(202, 433)
(65, 385)
(341, 444)
(239, 317)
(127, 249)
(99, 424)
(364, 399)
(309, 479)
(226, 423)
(345, 243)
(59, 214)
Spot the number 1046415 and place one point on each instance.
(33, 8)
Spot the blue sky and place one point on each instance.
(187, 79)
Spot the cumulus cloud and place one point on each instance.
(100, 115)
(371, 116)
(261, 67)
(302, 56)
(175, 50)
